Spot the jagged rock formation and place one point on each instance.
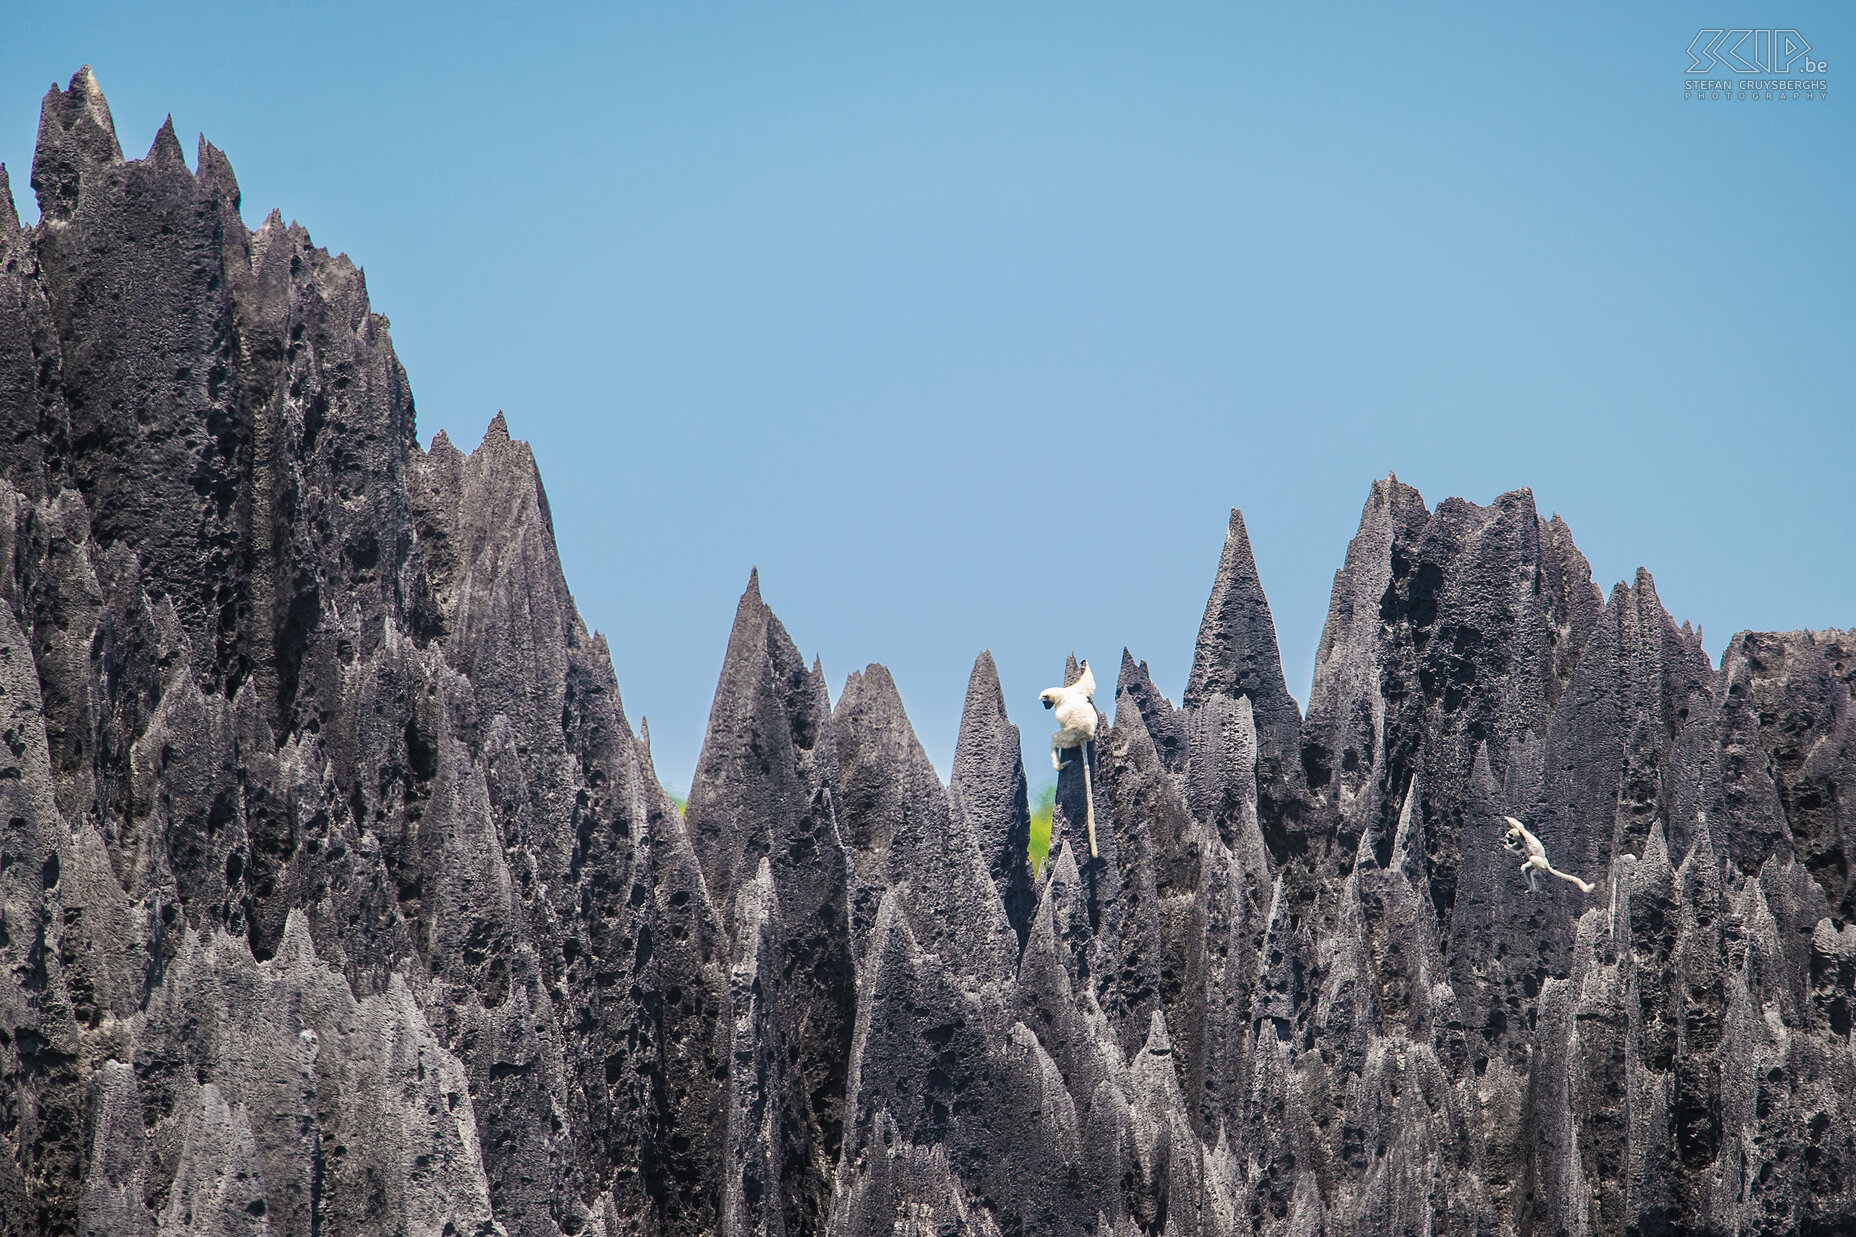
(338, 895)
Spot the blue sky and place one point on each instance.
(927, 309)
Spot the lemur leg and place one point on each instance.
(1056, 761)
(1089, 798)
(1533, 881)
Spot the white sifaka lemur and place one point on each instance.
(1522, 842)
(1076, 713)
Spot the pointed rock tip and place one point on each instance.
(1700, 848)
(985, 697)
(214, 171)
(1237, 543)
(1405, 849)
(165, 149)
(1128, 715)
(83, 98)
(75, 131)
(9, 212)
(1158, 1042)
(754, 621)
(1137, 679)
(1365, 856)
(1482, 774)
(497, 433)
(878, 677)
(1389, 504)
(1391, 486)
(1520, 495)
(1237, 652)
(1656, 849)
(1063, 869)
(873, 695)
(296, 946)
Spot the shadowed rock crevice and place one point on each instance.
(339, 896)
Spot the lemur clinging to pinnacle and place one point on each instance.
(1521, 842)
(1076, 713)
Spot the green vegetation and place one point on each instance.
(1043, 803)
(682, 801)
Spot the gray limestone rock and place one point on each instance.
(907, 837)
(338, 894)
(763, 817)
(988, 789)
(1236, 657)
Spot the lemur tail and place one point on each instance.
(1089, 801)
(1584, 886)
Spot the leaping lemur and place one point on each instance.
(1521, 842)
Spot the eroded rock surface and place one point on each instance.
(338, 894)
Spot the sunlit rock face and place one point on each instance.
(338, 894)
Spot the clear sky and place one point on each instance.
(928, 308)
